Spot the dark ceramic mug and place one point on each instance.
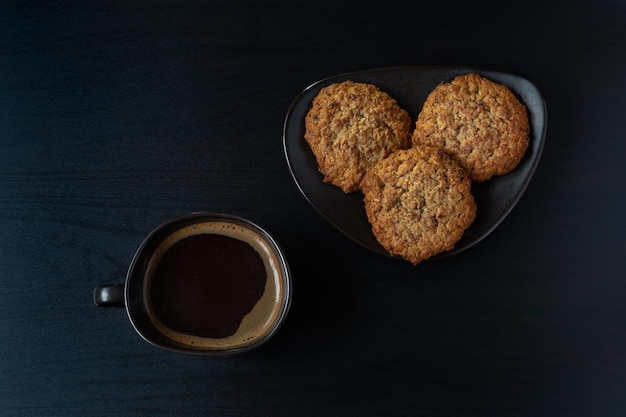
(204, 284)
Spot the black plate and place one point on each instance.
(410, 86)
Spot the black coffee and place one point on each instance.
(205, 284)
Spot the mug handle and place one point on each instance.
(109, 295)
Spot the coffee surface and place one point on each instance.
(204, 285)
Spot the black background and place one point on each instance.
(118, 116)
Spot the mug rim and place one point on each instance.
(135, 304)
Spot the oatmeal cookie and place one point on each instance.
(419, 202)
(480, 123)
(350, 127)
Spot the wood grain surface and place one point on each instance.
(118, 116)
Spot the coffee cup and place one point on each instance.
(204, 284)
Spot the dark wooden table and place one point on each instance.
(118, 116)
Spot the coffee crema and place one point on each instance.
(215, 285)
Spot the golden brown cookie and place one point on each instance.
(350, 127)
(419, 202)
(479, 122)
